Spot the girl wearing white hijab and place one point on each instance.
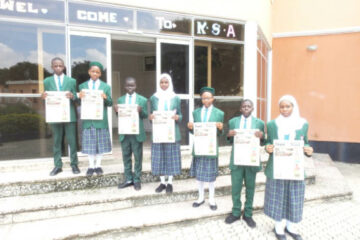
(166, 157)
(284, 199)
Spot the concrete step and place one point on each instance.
(330, 185)
(27, 181)
(70, 203)
(47, 164)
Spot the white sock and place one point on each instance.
(162, 179)
(98, 160)
(279, 227)
(201, 192)
(212, 193)
(291, 227)
(91, 161)
(170, 179)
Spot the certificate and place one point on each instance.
(92, 105)
(128, 119)
(205, 138)
(57, 107)
(163, 127)
(289, 159)
(246, 148)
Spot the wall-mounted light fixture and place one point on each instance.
(312, 47)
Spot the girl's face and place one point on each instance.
(207, 99)
(94, 72)
(164, 84)
(286, 108)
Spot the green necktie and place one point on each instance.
(205, 115)
(166, 106)
(59, 83)
(130, 99)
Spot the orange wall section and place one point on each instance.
(325, 82)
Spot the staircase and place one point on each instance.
(34, 205)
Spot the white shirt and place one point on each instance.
(56, 79)
(133, 98)
(208, 113)
(248, 122)
(91, 82)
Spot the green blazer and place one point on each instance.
(216, 116)
(175, 104)
(107, 103)
(234, 123)
(142, 102)
(69, 84)
(272, 135)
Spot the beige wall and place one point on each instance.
(312, 15)
(246, 10)
(325, 82)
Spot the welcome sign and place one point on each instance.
(40, 9)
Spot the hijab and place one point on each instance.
(288, 125)
(165, 95)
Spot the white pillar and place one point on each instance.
(250, 63)
(269, 85)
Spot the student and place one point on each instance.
(133, 143)
(205, 168)
(284, 199)
(240, 174)
(60, 82)
(95, 133)
(166, 157)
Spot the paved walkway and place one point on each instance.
(325, 220)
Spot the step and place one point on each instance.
(330, 186)
(26, 182)
(46, 164)
(60, 204)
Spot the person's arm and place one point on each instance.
(144, 111)
(220, 124)
(308, 150)
(108, 100)
(269, 147)
(231, 133)
(178, 110)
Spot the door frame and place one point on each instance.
(88, 33)
(190, 95)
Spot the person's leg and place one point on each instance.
(212, 193)
(201, 192)
(137, 149)
(70, 133)
(236, 186)
(57, 129)
(279, 227)
(170, 178)
(98, 159)
(250, 182)
(126, 154)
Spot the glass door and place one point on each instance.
(174, 58)
(86, 47)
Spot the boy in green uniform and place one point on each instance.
(133, 143)
(60, 82)
(243, 173)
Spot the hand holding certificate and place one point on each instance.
(205, 138)
(128, 119)
(92, 105)
(163, 127)
(246, 148)
(57, 107)
(289, 159)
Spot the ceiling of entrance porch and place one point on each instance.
(132, 48)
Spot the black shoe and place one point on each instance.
(55, 171)
(90, 172)
(195, 204)
(249, 221)
(160, 188)
(125, 184)
(279, 236)
(213, 207)
(169, 188)
(137, 186)
(231, 218)
(99, 171)
(75, 169)
(295, 236)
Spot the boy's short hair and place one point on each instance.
(127, 79)
(247, 100)
(56, 59)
